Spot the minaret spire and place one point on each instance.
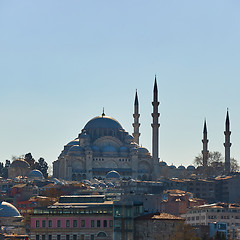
(205, 145)
(227, 144)
(103, 114)
(155, 129)
(136, 123)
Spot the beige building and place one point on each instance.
(217, 212)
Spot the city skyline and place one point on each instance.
(61, 63)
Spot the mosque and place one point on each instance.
(104, 146)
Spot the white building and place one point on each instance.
(216, 212)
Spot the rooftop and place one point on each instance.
(159, 216)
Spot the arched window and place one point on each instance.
(102, 234)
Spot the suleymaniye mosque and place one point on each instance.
(104, 149)
(104, 146)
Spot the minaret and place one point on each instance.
(136, 123)
(155, 129)
(227, 144)
(205, 145)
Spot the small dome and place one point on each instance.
(181, 167)
(8, 210)
(172, 166)
(133, 150)
(190, 167)
(35, 174)
(74, 142)
(76, 148)
(113, 174)
(20, 163)
(103, 122)
(143, 151)
(162, 163)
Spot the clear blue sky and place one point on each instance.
(62, 61)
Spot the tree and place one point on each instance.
(234, 167)
(216, 160)
(5, 169)
(29, 158)
(43, 167)
(213, 158)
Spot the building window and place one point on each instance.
(49, 223)
(49, 237)
(74, 237)
(37, 223)
(98, 223)
(92, 223)
(82, 237)
(67, 223)
(37, 237)
(82, 223)
(104, 223)
(74, 223)
(58, 223)
(92, 237)
(67, 237)
(43, 237)
(43, 223)
(58, 237)
(110, 223)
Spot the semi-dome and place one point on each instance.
(113, 174)
(109, 149)
(162, 163)
(35, 174)
(103, 122)
(74, 142)
(123, 149)
(76, 148)
(142, 151)
(95, 148)
(20, 163)
(129, 139)
(8, 210)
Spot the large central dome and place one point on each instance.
(103, 122)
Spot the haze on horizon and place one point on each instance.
(62, 62)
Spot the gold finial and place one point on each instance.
(103, 114)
